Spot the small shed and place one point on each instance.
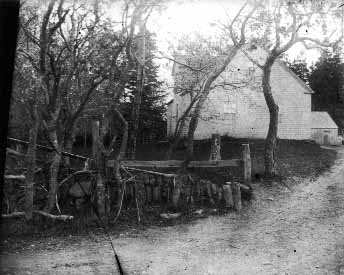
(323, 129)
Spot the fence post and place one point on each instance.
(97, 156)
(227, 194)
(235, 186)
(19, 148)
(215, 150)
(247, 164)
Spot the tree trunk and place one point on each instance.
(54, 170)
(270, 157)
(193, 125)
(31, 161)
(53, 181)
(179, 129)
(120, 156)
(203, 97)
(176, 138)
(135, 116)
(68, 148)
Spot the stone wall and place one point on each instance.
(197, 186)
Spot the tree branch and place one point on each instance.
(42, 213)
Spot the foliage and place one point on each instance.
(152, 109)
(70, 57)
(300, 68)
(278, 26)
(327, 80)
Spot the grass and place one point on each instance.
(295, 158)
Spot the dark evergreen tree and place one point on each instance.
(299, 67)
(327, 80)
(152, 122)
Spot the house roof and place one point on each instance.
(321, 120)
(308, 90)
(298, 79)
(291, 72)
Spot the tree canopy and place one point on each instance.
(327, 80)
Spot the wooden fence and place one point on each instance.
(155, 181)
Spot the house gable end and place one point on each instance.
(306, 88)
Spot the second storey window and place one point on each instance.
(251, 73)
(229, 106)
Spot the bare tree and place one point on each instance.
(218, 68)
(79, 56)
(190, 70)
(300, 19)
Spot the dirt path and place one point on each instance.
(297, 231)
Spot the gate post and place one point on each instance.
(235, 186)
(247, 164)
(227, 194)
(97, 156)
(215, 150)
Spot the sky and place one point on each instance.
(186, 17)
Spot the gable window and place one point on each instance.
(229, 107)
(251, 73)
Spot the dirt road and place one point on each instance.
(285, 231)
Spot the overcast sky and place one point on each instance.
(185, 17)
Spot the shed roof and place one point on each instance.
(322, 120)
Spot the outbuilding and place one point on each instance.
(323, 129)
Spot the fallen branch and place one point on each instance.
(45, 214)
(54, 217)
(75, 174)
(46, 148)
(16, 154)
(13, 215)
(120, 206)
(15, 177)
(151, 172)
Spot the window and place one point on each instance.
(250, 73)
(257, 84)
(229, 106)
(280, 118)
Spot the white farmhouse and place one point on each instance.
(243, 113)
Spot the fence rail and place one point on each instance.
(177, 163)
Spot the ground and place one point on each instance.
(293, 228)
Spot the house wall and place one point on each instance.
(243, 113)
